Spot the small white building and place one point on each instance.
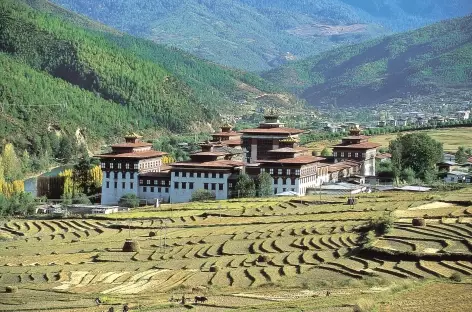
(458, 177)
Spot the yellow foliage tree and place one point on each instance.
(69, 187)
(8, 189)
(168, 159)
(96, 176)
(18, 186)
(11, 163)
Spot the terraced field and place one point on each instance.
(229, 248)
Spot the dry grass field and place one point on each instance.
(451, 138)
(248, 255)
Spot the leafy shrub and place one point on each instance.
(11, 289)
(382, 225)
(202, 195)
(129, 201)
(364, 305)
(456, 277)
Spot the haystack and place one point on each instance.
(130, 246)
(418, 222)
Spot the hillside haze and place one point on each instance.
(257, 34)
(62, 72)
(423, 61)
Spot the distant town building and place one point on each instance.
(463, 115)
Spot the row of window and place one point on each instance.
(281, 171)
(123, 185)
(184, 174)
(206, 186)
(159, 189)
(144, 165)
(284, 181)
(343, 154)
(155, 182)
(115, 175)
(283, 190)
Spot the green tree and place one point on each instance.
(129, 201)
(461, 155)
(202, 195)
(326, 152)
(82, 174)
(417, 151)
(245, 186)
(264, 184)
(66, 149)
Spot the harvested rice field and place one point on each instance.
(283, 254)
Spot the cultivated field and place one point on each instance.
(264, 255)
(451, 138)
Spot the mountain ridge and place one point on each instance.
(418, 61)
(251, 34)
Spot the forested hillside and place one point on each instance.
(417, 62)
(61, 80)
(256, 34)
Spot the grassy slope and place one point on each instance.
(418, 61)
(109, 80)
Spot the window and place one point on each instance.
(144, 189)
(115, 174)
(108, 184)
(213, 186)
(127, 165)
(190, 185)
(335, 154)
(275, 190)
(289, 172)
(293, 181)
(199, 175)
(284, 181)
(262, 170)
(152, 189)
(107, 174)
(221, 186)
(135, 166)
(297, 172)
(116, 185)
(176, 173)
(279, 172)
(111, 165)
(276, 181)
(284, 189)
(155, 182)
(213, 175)
(123, 175)
(191, 174)
(205, 186)
(184, 174)
(348, 154)
(271, 170)
(230, 185)
(163, 182)
(363, 155)
(176, 185)
(141, 182)
(148, 182)
(342, 154)
(131, 185)
(131, 175)
(123, 185)
(206, 175)
(184, 185)
(119, 165)
(102, 165)
(159, 189)
(167, 190)
(356, 155)
(221, 176)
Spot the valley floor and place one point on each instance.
(274, 254)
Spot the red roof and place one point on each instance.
(232, 142)
(367, 145)
(225, 164)
(301, 160)
(209, 154)
(279, 130)
(129, 145)
(137, 155)
(225, 134)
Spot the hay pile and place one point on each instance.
(130, 246)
